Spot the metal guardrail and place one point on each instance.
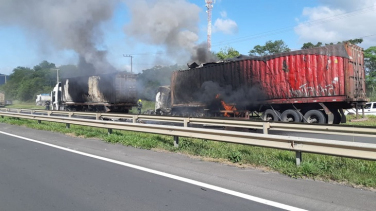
(297, 144)
(266, 126)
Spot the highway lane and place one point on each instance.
(39, 177)
(302, 193)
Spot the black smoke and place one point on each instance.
(243, 97)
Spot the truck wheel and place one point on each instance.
(271, 115)
(291, 115)
(314, 116)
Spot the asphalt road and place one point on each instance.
(38, 177)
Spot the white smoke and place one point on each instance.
(170, 24)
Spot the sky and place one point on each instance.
(163, 32)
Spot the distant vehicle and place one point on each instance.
(3, 101)
(113, 92)
(42, 98)
(369, 109)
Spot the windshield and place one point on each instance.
(367, 106)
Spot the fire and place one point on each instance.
(227, 107)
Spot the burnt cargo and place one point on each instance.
(114, 91)
(330, 74)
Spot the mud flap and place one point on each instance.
(329, 113)
(343, 116)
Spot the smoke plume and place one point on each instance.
(170, 24)
(67, 24)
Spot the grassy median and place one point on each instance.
(348, 171)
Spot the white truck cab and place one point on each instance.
(56, 97)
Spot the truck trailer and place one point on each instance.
(113, 92)
(310, 85)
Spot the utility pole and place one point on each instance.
(57, 74)
(209, 7)
(131, 60)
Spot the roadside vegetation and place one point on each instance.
(24, 105)
(354, 172)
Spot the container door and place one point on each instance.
(355, 73)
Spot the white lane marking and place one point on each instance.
(171, 176)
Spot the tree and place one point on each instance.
(355, 41)
(310, 45)
(227, 52)
(370, 68)
(269, 48)
(25, 83)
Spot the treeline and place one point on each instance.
(25, 83)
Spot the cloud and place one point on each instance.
(226, 26)
(338, 20)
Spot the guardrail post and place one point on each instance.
(266, 127)
(135, 119)
(67, 125)
(176, 141)
(109, 131)
(70, 114)
(49, 113)
(39, 121)
(298, 157)
(97, 115)
(186, 122)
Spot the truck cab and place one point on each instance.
(56, 97)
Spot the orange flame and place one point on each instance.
(227, 107)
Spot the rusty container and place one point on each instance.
(333, 73)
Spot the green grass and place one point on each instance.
(24, 105)
(370, 121)
(328, 168)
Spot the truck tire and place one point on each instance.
(271, 115)
(291, 115)
(315, 117)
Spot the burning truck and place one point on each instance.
(113, 92)
(311, 85)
